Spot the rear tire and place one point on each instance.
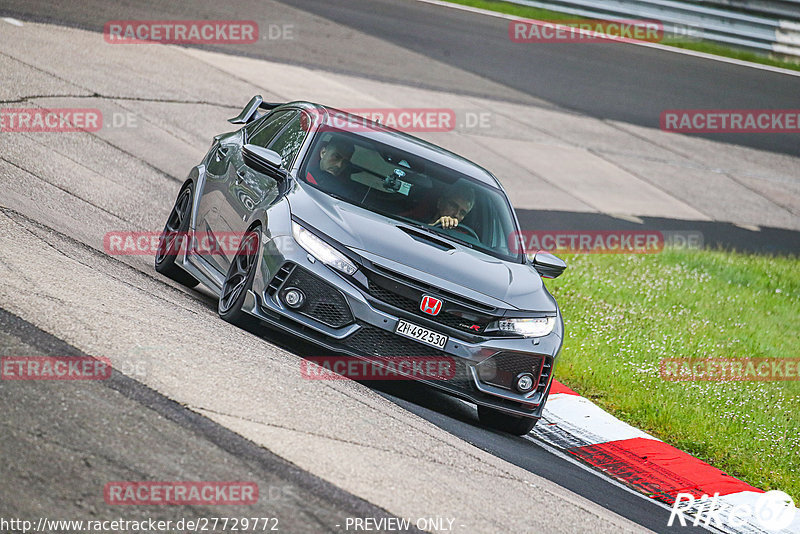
(173, 237)
(519, 426)
(239, 280)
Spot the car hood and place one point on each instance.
(461, 270)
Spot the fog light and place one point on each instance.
(294, 298)
(524, 382)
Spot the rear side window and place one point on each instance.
(267, 129)
(288, 143)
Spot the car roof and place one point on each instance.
(401, 140)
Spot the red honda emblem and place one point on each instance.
(430, 305)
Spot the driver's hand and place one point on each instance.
(447, 222)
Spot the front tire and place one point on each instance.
(519, 426)
(173, 237)
(239, 280)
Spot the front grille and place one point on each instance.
(372, 340)
(323, 302)
(428, 288)
(407, 298)
(501, 369)
(386, 345)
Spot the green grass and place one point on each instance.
(698, 46)
(623, 314)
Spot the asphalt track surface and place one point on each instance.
(117, 429)
(446, 39)
(605, 80)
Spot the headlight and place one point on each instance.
(538, 327)
(321, 250)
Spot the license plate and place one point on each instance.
(429, 337)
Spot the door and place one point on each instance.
(224, 176)
(246, 188)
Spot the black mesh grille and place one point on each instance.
(378, 342)
(408, 298)
(422, 286)
(386, 345)
(398, 301)
(515, 362)
(462, 379)
(501, 369)
(323, 302)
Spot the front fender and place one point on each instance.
(197, 177)
(276, 234)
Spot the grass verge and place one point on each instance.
(699, 46)
(623, 314)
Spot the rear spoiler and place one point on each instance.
(249, 111)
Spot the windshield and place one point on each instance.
(413, 190)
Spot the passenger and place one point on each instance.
(332, 172)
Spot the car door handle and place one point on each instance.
(239, 177)
(221, 152)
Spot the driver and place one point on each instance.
(454, 205)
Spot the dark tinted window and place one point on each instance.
(269, 127)
(288, 143)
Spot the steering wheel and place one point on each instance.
(462, 227)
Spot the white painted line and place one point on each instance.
(657, 46)
(585, 420)
(13, 22)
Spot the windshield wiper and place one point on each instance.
(415, 224)
(431, 230)
(456, 239)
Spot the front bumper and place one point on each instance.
(365, 329)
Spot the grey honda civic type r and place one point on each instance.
(374, 245)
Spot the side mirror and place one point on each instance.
(548, 265)
(249, 111)
(265, 161)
